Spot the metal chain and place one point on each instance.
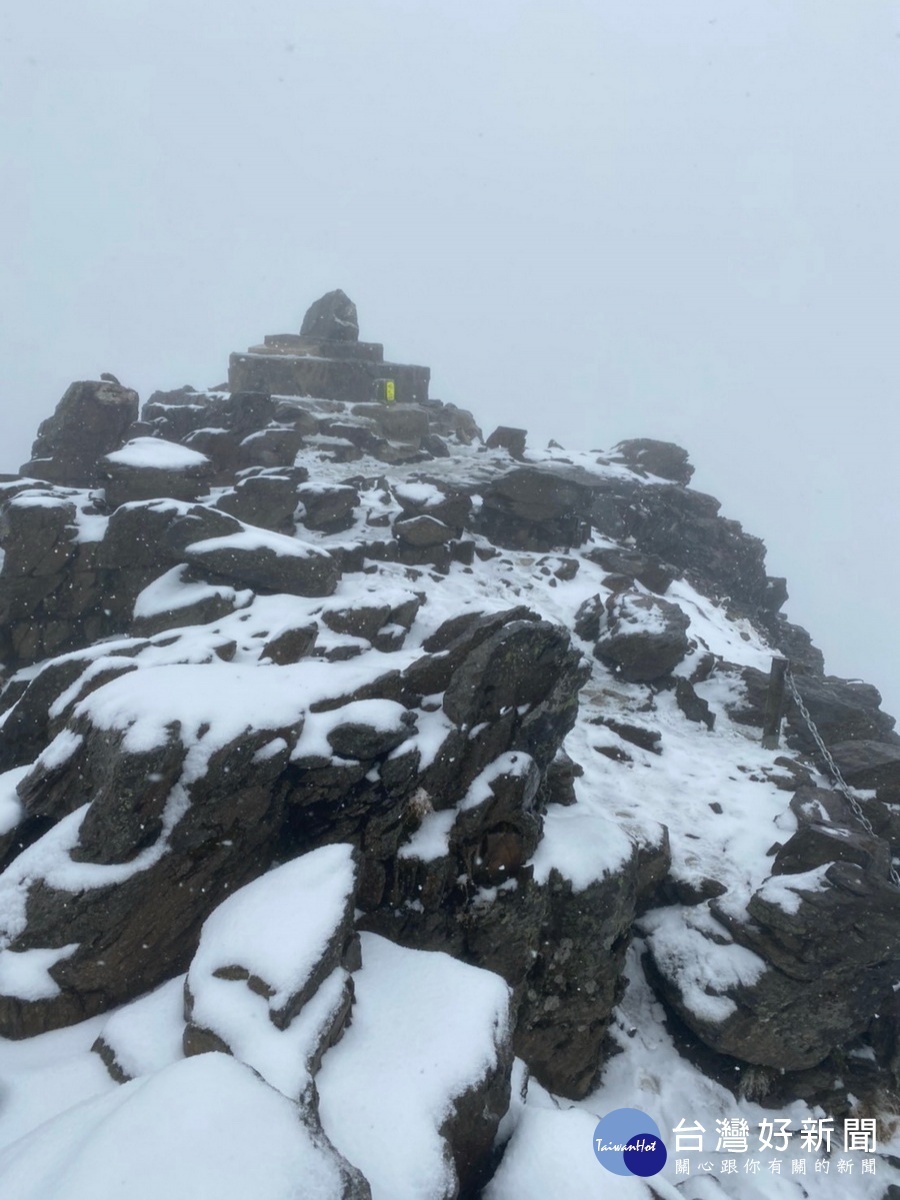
(839, 781)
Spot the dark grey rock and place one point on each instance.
(664, 459)
(647, 569)
(274, 446)
(140, 470)
(332, 318)
(90, 420)
(290, 645)
(361, 621)
(422, 531)
(694, 707)
(329, 508)
(644, 637)
(809, 993)
(263, 565)
(538, 508)
(265, 500)
(508, 438)
(871, 764)
(362, 742)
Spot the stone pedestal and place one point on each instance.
(326, 360)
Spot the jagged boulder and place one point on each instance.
(643, 637)
(538, 508)
(575, 981)
(90, 420)
(332, 318)
(328, 508)
(49, 585)
(422, 531)
(506, 437)
(647, 569)
(767, 988)
(160, 811)
(843, 710)
(175, 600)
(683, 527)
(664, 459)
(175, 415)
(266, 500)
(451, 506)
(871, 764)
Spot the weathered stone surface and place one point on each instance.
(508, 438)
(135, 927)
(784, 996)
(358, 739)
(818, 842)
(149, 468)
(89, 421)
(274, 563)
(274, 446)
(575, 981)
(871, 764)
(178, 599)
(49, 586)
(422, 531)
(242, 411)
(664, 459)
(538, 508)
(403, 423)
(328, 508)
(332, 318)
(448, 421)
(528, 672)
(447, 504)
(174, 415)
(843, 710)
(241, 977)
(694, 707)
(362, 621)
(682, 527)
(647, 569)
(290, 645)
(265, 500)
(642, 636)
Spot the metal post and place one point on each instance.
(774, 704)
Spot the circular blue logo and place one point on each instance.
(628, 1142)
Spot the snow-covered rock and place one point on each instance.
(416, 1088)
(205, 1126)
(270, 980)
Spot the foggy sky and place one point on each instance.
(598, 219)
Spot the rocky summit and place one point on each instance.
(382, 804)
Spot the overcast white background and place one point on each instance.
(598, 219)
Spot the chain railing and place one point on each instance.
(834, 770)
